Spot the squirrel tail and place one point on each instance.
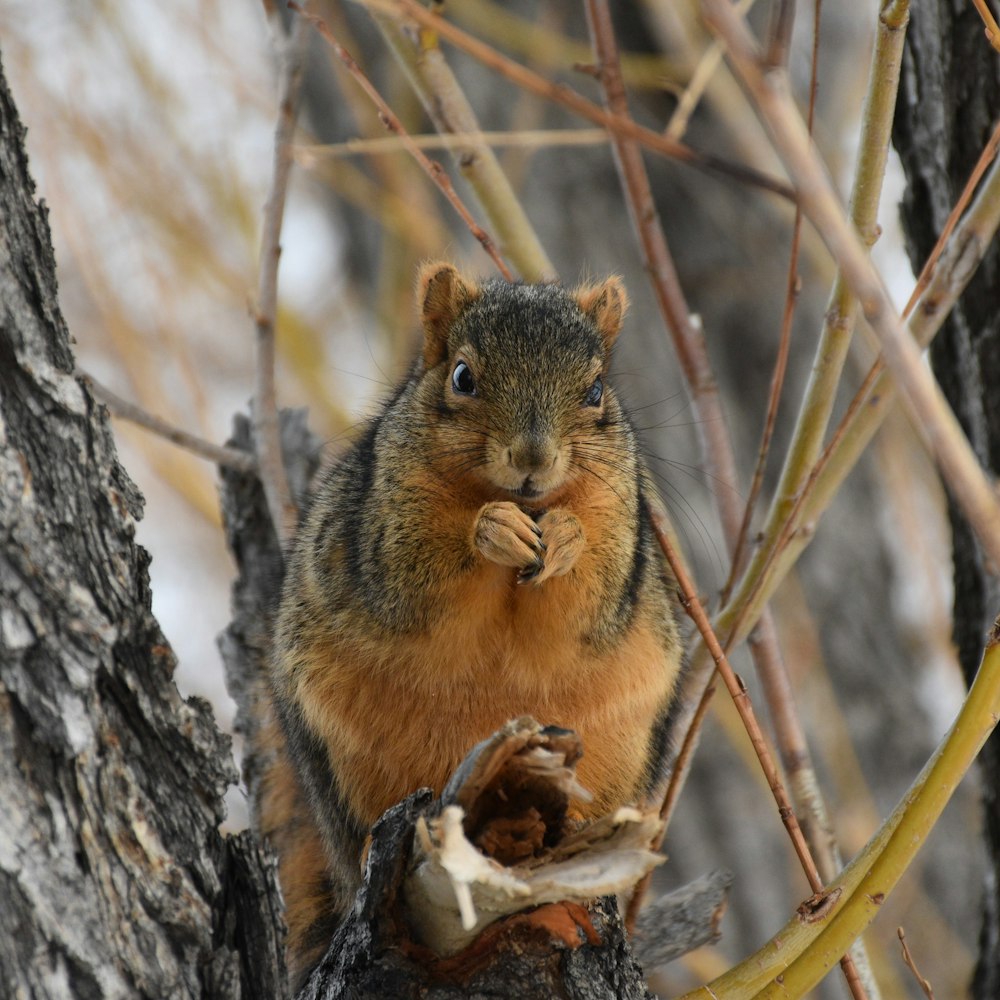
(286, 821)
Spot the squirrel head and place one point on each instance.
(516, 374)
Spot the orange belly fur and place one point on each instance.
(400, 715)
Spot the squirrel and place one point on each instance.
(484, 551)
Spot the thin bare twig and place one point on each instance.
(991, 27)
(741, 699)
(986, 157)
(432, 168)
(677, 28)
(791, 294)
(267, 433)
(780, 33)
(684, 756)
(773, 400)
(686, 334)
(124, 410)
(569, 98)
(930, 413)
(704, 73)
(524, 139)
(924, 984)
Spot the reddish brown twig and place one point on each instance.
(992, 29)
(986, 157)
(924, 984)
(683, 763)
(741, 699)
(124, 410)
(559, 93)
(686, 335)
(778, 50)
(689, 344)
(267, 434)
(432, 168)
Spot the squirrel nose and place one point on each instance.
(532, 453)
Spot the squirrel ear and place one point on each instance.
(605, 306)
(442, 293)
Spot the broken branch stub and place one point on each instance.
(505, 839)
(437, 917)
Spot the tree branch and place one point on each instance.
(291, 50)
(124, 410)
(929, 411)
(431, 77)
(433, 169)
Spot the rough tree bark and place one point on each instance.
(948, 107)
(114, 879)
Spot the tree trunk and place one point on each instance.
(948, 107)
(114, 878)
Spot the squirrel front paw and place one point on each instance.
(563, 539)
(504, 534)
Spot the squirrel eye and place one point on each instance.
(594, 393)
(462, 380)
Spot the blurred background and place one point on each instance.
(150, 130)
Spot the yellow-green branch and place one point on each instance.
(808, 946)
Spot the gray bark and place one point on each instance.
(114, 878)
(949, 104)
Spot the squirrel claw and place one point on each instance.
(564, 543)
(530, 573)
(505, 534)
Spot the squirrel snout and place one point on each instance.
(532, 454)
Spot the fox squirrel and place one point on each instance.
(484, 551)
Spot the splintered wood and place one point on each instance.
(507, 839)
